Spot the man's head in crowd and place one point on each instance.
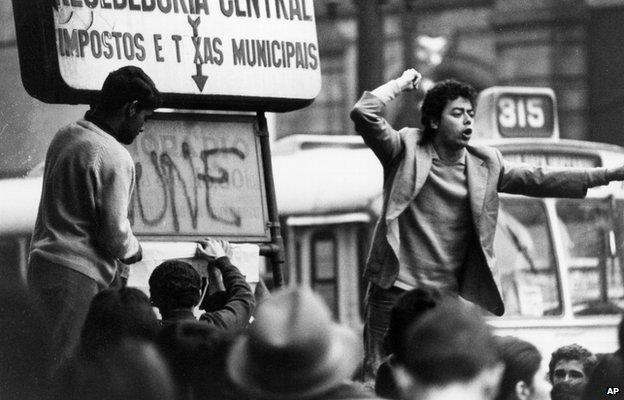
(607, 378)
(196, 354)
(132, 369)
(293, 350)
(447, 113)
(569, 369)
(571, 363)
(449, 353)
(408, 308)
(525, 371)
(115, 315)
(127, 98)
(174, 285)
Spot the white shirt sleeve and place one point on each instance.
(387, 92)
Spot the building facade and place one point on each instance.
(573, 46)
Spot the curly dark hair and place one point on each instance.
(174, 284)
(573, 352)
(436, 99)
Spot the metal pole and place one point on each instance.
(275, 249)
(370, 44)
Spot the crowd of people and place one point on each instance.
(440, 348)
(77, 331)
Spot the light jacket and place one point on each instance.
(406, 166)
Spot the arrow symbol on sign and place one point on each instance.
(199, 78)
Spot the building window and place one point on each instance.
(327, 114)
(324, 268)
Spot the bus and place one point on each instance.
(559, 261)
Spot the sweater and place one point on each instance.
(82, 222)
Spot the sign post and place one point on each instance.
(275, 251)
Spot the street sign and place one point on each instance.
(199, 175)
(517, 112)
(225, 54)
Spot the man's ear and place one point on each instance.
(132, 108)
(523, 391)
(434, 124)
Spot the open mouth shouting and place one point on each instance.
(466, 134)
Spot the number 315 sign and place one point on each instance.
(514, 112)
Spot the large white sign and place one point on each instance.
(250, 48)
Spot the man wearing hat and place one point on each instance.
(293, 350)
(82, 231)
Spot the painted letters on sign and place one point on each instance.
(237, 47)
(200, 177)
(235, 54)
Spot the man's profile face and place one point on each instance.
(132, 126)
(456, 124)
(568, 370)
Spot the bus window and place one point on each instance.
(525, 259)
(324, 268)
(594, 269)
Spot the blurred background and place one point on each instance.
(573, 46)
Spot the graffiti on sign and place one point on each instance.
(198, 178)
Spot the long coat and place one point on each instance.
(406, 166)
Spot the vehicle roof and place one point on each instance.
(18, 208)
(316, 174)
(319, 181)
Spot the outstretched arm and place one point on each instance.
(367, 114)
(537, 181)
(615, 174)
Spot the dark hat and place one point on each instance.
(449, 343)
(293, 350)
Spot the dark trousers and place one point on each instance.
(64, 296)
(377, 305)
